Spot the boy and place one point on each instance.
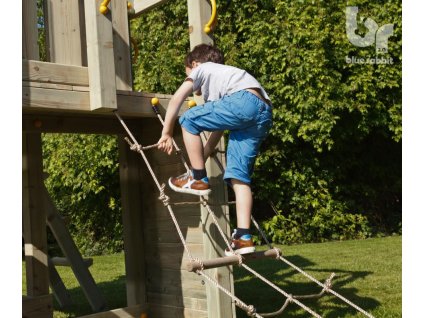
(234, 101)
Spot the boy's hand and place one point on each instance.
(166, 144)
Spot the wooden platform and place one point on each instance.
(51, 88)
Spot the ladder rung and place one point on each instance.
(231, 260)
(63, 261)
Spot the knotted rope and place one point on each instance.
(248, 308)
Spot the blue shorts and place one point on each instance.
(248, 119)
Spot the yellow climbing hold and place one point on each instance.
(191, 103)
(155, 101)
(103, 6)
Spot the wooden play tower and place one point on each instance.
(86, 78)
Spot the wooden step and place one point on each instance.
(63, 261)
(232, 260)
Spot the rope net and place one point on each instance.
(249, 309)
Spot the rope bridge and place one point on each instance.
(199, 266)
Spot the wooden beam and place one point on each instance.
(30, 30)
(121, 45)
(101, 64)
(65, 32)
(55, 100)
(54, 73)
(58, 287)
(129, 171)
(37, 307)
(68, 247)
(50, 98)
(39, 302)
(136, 311)
(141, 6)
(77, 124)
(34, 224)
(199, 12)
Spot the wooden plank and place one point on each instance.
(188, 214)
(75, 124)
(69, 249)
(176, 282)
(37, 307)
(214, 245)
(141, 6)
(48, 85)
(43, 99)
(171, 256)
(29, 30)
(136, 103)
(167, 234)
(177, 301)
(58, 287)
(136, 311)
(52, 99)
(132, 218)
(34, 225)
(121, 45)
(161, 311)
(54, 73)
(101, 64)
(65, 32)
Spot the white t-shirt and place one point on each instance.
(217, 80)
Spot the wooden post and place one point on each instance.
(199, 12)
(35, 307)
(68, 247)
(101, 64)
(129, 163)
(121, 45)
(34, 221)
(66, 32)
(219, 304)
(29, 30)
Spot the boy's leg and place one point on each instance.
(244, 204)
(194, 147)
(242, 242)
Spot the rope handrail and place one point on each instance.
(165, 199)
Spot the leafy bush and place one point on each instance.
(83, 181)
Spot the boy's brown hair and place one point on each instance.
(203, 53)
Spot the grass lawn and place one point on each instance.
(368, 272)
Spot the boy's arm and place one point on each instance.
(165, 142)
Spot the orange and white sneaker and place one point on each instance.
(187, 184)
(242, 245)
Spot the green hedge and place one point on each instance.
(83, 181)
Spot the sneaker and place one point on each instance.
(243, 245)
(187, 184)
